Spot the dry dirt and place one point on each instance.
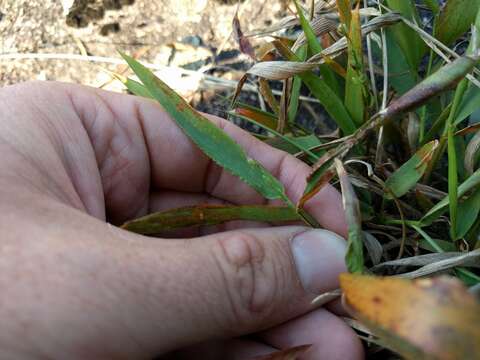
(164, 32)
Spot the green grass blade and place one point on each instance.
(285, 138)
(134, 87)
(466, 275)
(470, 104)
(214, 142)
(202, 215)
(452, 183)
(407, 176)
(330, 101)
(355, 88)
(408, 40)
(455, 19)
(472, 182)
(327, 97)
(468, 212)
(314, 46)
(296, 87)
(307, 142)
(432, 5)
(452, 158)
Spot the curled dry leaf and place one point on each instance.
(422, 319)
(468, 259)
(320, 26)
(293, 353)
(279, 70)
(243, 42)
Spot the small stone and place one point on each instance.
(110, 28)
(193, 40)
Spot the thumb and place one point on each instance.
(238, 282)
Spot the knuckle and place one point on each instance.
(250, 277)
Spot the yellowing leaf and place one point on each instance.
(207, 215)
(355, 91)
(421, 319)
(345, 12)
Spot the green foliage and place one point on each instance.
(398, 137)
(409, 41)
(408, 175)
(355, 90)
(455, 19)
(213, 141)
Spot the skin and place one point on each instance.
(77, 161)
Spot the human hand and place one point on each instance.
(73, 286)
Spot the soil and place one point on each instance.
(179, 33)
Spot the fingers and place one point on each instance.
(330, 336)
(102, 290)
(235, 283)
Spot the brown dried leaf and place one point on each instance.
(422, 319)
(243, 42)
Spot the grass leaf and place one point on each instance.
(472, 182)
(407, 39)
(202, 215)
(344, 8)
(265, 118)
(134, 87)
(468, 211)
(407, 176)
(455, 19)
(214, 142)
(296, 88)
(315, 48)
(355, 91)
(432, 5)
(354, 257)
(327, 97)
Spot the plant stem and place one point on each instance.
(452, 158)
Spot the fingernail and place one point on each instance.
(319, 257)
